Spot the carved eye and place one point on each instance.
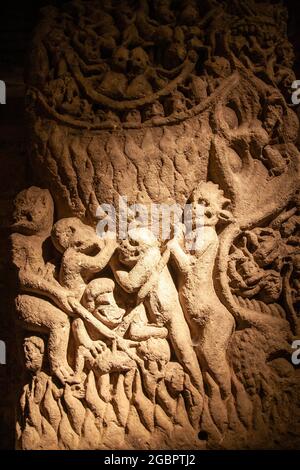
(134, 243)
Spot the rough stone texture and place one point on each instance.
(140, 343)
(12, 179)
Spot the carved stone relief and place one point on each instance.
(138, 342)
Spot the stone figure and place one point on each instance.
(145, 340)
(141, 254)
(205, 314)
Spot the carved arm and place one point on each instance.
(98, 262)
(182, 259)
(32, 282)
(131, 281)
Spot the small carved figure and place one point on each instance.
(155, 110)
(177, 383)
(249, 280)
(266, 246)
(189, 14)
(176, 103)
(32, 223)
(163, 11)
(274, 160)
(99, 300)
(114, 83)
(33, 220)
(34, 349)
(217, 69)
(84, 253)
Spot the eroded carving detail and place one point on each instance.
(140, 342)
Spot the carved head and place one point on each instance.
(34, 353)
(155, 352)
(120, 59)
(155, 109)
(33, 213)
(139, 240)
(133, 115)
(139, 59)
(176, 103)
(211, 198)
(265, 244)
(99, 299)
(174, 378)
(125, 15)
(72, 233)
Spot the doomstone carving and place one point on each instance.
(145, 342)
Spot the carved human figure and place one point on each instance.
(32, 223)
(243, 271)
(266, 245)
(34, 349)
(31, 420)
(145, 78)
(84, 253)
(210, 322)
(33, 219)
(99, 299)
(139, 267)
(115, 82)
(74, 239)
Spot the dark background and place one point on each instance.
(17, 20)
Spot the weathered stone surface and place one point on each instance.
(142, 343)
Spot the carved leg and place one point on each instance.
(165, 308)
(39, 315)
(216, 335)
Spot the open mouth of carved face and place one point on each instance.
(129, 259)
(25, 221)
(129, 252)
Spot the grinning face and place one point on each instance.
(138, 241)
(139, 59)
(207, 203)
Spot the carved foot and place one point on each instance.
(65, 374)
